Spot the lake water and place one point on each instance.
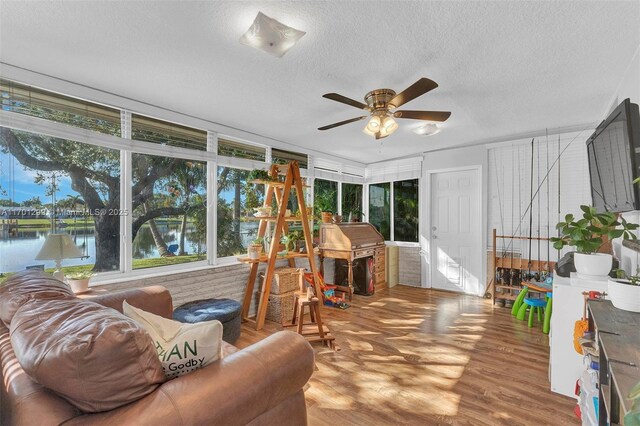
(17, 253)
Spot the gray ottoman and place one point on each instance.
(226, 311)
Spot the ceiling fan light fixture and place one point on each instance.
(374, 124)
(271, 36)
(368, 131)
(427, 129)
(389, 125)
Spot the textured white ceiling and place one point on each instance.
(504, 68)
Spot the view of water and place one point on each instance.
(18, 252)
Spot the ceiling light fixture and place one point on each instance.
(427, 129)
(271, 36)
(380, 125)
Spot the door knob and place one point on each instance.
(434, 237)
(433, 228)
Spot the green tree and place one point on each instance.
(94, 174)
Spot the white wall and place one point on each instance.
(509, 189)
(442, 160)
(629, 86)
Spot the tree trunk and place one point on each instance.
(107, 234)
(163, 250)
(183, 233)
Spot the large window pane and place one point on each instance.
(379, 208)
(50, 185)
(235, 149)
(147, 129)
(63, 109)
(405, 210)
(169, 211)
(325, 196)
(236, 199)
(352, 201)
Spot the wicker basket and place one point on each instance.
(280, 307)
(285, 280)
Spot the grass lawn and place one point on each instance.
(137, 264)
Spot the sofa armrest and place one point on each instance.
(155, 299)
(232, 391)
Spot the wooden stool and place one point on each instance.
(313, 331)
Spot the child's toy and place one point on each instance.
(329, 297)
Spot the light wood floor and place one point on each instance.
(425, 357)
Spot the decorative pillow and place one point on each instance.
(93, 356)
(181, 347)
(28, 285)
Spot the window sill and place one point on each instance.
(139, 274)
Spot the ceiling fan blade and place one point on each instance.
(418, 88)
(423, 115)
(351, 120)
(345, 100)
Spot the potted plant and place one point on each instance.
(79, 281)
(259, 175)
(624, 291)
(355, 215)
(254, 250)
(588, 235)
(324, 204)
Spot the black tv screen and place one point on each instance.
(614, 160)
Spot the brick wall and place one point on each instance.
(219, 282)
(409, 266)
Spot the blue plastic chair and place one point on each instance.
(534, 305)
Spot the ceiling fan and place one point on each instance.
(381, 102)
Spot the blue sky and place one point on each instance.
(20, 186)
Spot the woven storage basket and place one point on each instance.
(285, 280)
(280, 307)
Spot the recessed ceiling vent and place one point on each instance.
(271, 36)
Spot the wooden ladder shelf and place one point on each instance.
(281, 191)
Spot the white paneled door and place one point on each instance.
(455, 232)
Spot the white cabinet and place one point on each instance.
(565, 364)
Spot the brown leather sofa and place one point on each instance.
(259, 385)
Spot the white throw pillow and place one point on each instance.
(181, 347)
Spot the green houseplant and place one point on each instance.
(588, 235)
(79, 281)
(254, 250)
(324, 203)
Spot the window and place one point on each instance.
(169, 211)
(234, 149)
(325, 196)
(236, 199)
(62, 109)
(50, 185)
(379, 208)
(405, 210)
(351, 201)
(152, 130)
(280, 156)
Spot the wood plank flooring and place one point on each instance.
(426, 357)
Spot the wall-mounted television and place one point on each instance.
(614, 160)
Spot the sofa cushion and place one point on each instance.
(181, 348)
(93, 356)
(25, 286)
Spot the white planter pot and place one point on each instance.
(595, 264)
(79, 286)
(624, 296)
(254, 251)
